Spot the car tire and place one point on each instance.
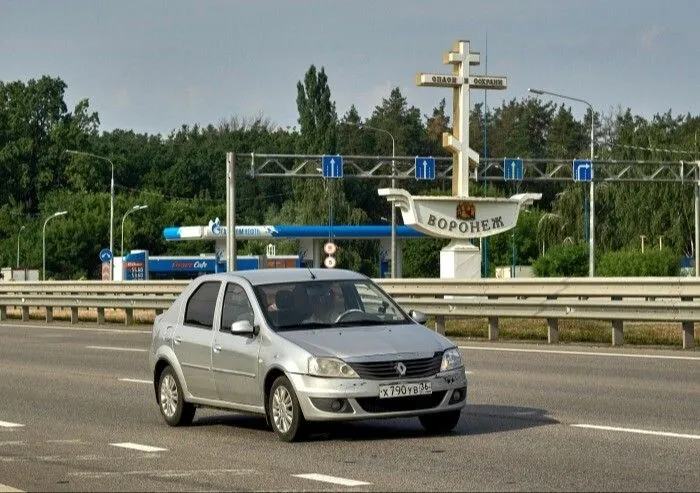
(285, 414)
(443, 422)
(171, 400)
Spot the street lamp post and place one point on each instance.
(591, 217)
(133, 209)
(43, 241)
(111, 204)
(393, 185)
(18, 235)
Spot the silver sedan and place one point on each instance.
(299, 345)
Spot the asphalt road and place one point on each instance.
(77, 413)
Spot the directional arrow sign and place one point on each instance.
(425, 168)
(582, 170)
(512, 169)
(332, 166)
(105, 255)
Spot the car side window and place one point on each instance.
(236, 307)
(201, 305)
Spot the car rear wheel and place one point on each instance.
(440, 422)
(286, 417)
(175, 410)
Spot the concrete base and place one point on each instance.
(460, 260)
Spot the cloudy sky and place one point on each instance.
(153, 65)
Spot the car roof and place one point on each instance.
(282, 275)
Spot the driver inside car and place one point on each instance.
(322, 308)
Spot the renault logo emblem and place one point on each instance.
(401, 368)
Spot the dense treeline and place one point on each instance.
(181, 177)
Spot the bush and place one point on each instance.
(631, 263)
(563, 261)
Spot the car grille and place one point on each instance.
(386, 370)
(377, 405)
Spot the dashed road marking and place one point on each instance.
(635, 430)
(138, 446)
(7, 424)
(8, 489)
(159, 473)
(134, 380)
(331, 479)
(112, 348)
(68, 441)
(12, 443)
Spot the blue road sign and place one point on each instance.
(332, 166)
(105, 255)
(512, 168)
(582, 170)
(425, 168)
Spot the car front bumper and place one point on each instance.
(339, 399)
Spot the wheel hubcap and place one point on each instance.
(168, 396)
(282, 411)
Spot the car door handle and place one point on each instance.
(177, 339)
(217, 348)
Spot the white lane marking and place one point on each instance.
(8, 489)
(134, 380)
(12, 442)
(175, 473)
(112, 348)
(6, 424)
(581, 353)
(77, 329)
(635, 430)
(137, 446)
(331, 479)
(67, 441)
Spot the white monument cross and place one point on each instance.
(460, 81)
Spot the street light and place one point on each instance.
(393, 185)
(111, 204)
(43, 240)
(591, 218)
(133, 209)
(18, 235)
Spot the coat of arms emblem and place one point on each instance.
(466, 210)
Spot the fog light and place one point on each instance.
(336, 405)
(456, 395)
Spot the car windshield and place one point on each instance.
(326, 304)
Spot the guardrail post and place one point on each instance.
(100, 316)
(3, 313)
(25, 314)
(440, 324)
(128, 316)
(688, 327)
(618, 337)
(493, 324)
(74, 315)
(49, 314)
(159, 311)
(552, 327)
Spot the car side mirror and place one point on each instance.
(418, 316)
(242, 327)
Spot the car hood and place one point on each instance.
(370, 342)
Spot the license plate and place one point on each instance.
(404, 389)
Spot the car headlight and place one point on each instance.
(331, 367)
(451, 359)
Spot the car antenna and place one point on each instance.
(311, 273)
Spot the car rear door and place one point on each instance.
(192, 340)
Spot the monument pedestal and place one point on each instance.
(460, 260)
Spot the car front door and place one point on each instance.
(235, 356)
(192, 340)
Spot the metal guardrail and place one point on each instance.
(616, 300)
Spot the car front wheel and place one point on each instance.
(175, 410)
(285, 413)
(440, 422)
